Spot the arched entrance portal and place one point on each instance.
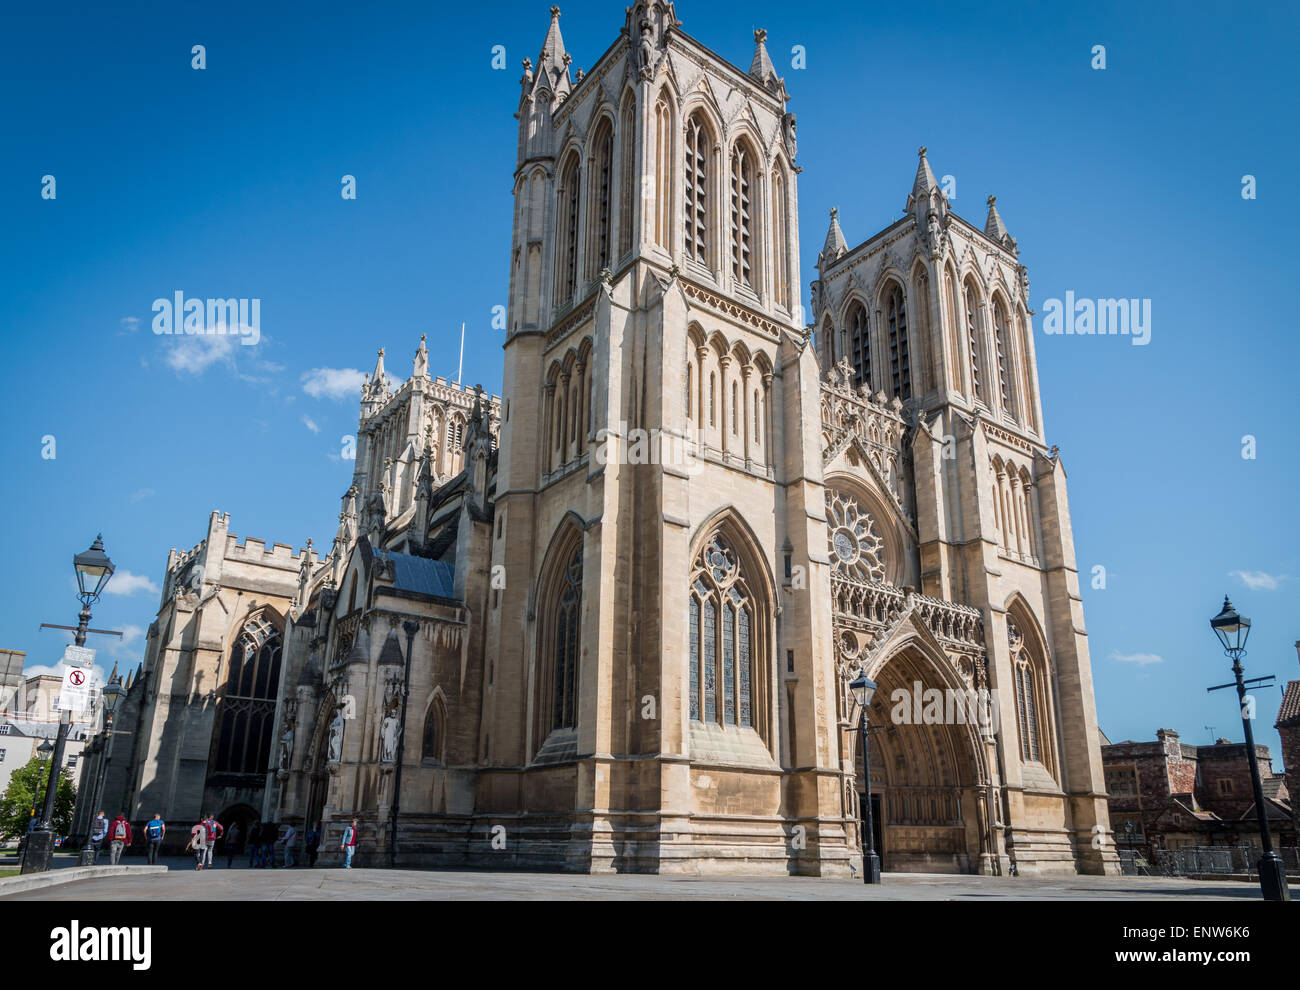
(928, 785)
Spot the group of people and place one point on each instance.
(261, 841)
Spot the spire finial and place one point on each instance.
(921, 151)
(992, 200)
(555, 13)
(760, 36)
(835, 212)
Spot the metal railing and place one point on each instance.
(1199, 860)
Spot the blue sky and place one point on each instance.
(225, 182)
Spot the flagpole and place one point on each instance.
(460, 367)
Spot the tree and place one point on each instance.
(26, 791)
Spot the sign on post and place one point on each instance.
(78, 661)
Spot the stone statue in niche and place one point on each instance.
(335, 752)
(388, 738)
(286, 747)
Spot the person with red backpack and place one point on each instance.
(119, 834)
(214, 832)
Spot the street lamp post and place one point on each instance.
(113, 695)
(1232, 630)
(864, 689)
(93, 571)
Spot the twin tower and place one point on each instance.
(675, 620)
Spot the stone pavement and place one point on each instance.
(183, 883)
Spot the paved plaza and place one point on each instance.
(182, 883)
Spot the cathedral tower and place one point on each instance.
(659, 659)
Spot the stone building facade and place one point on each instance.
(608, 622)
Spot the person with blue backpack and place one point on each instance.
(154, 832)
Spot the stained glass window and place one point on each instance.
(247, 713)
(721, 639)
(567, 629)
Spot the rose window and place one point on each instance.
(854, 544)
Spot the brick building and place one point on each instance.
(1288, 727)
(1176, 794)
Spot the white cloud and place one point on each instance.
(333, 383)
(1258, 580)
(194, 353)
(129, 324)
(1141, 659)
(140, 494)
(126, 583)
(308, 422)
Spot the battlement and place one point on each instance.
(255, 551)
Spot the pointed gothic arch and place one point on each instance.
(246, 701)
(1031, 681)
(559, 634)
(730, 596)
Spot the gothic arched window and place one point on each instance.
(566, 254)
(627, 175)
(698, 200)
(725, 626)
(431, 742)
(860, 345)
(565, 640)
(1003, 357)
(742, 215)
(663, 224)
(900, 359)
(601, 200)
(1024, 677)
(780, 247)
(248, 703)
(972, 338)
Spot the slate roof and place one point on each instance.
(420, 574)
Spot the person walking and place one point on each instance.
(232, 844)
(313, 845)
(215, 832)
(270, 832)
(290, 840)
(154, 831)
(252, 845)
(349, 844)
(198, 843)
(120, 837)
(98, 833)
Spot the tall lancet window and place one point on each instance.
(860, 346)
(1022, 667)
(1000, 342)
(602, 200)
(973, 341)
(567, 230)
(663, 171)
(697, 190)
(780, 249)
(900, 359)
(567, 638)
(742, 215)
(246, 711)
(627, 175)
(724, 627)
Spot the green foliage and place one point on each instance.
(26, 791)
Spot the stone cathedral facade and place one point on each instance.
(629, 595)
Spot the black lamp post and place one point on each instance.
(1232, 630)
(113, 695)
(864, 690)
(93, 571)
